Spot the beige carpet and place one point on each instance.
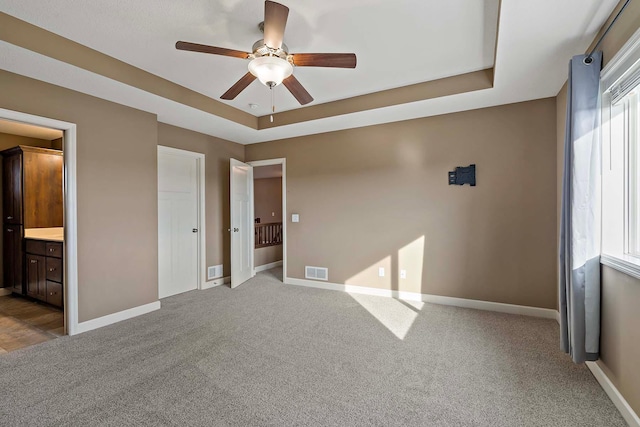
(269, 354)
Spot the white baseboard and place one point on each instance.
(109, 319)
(5, 292)
(616, 397)
(267, 266)
(435, 299)
(216, 282)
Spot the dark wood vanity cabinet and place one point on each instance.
(31, 198)
(44, 271)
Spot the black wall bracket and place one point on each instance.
(463, 175)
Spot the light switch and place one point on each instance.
(403, 274)
(273, 214)
(295, 218)
(381, 271)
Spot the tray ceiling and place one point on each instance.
(397, 43)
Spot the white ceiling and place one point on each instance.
(437, 39)
(23, 129)
(143, 33)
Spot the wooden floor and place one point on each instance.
(24, 322)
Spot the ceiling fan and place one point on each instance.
(271, 62)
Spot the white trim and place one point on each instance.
(626, 265)
(70, 210)
(279, 161)
(269, 266)
(614, 394)
(202, 236)
(110, 319)
(434, 299)
(622, 60)
(216, 282)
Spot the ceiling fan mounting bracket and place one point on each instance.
(261, 49)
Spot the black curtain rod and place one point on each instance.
(588, 58)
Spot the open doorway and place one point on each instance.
(269, 194)
(32, 292)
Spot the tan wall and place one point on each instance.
(619, 335)
(10, 141)
(267, 255)
(379, 196)
(217, 154)
(268, 199)
(117, 192)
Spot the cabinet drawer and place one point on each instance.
(54, 293)
(54, 249)
(54, 269)
(36, 247)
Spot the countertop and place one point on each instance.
(55, 234)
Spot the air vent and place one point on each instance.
(214, 272)
(316, 273)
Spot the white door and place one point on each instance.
(241, 222)
(177, 223)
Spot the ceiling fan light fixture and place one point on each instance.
(270, 70)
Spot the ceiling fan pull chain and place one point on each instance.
(273, 105)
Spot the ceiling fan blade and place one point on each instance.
(275, 20)
(337, 60)
(297, 90)
(240, 85)
(194, 47)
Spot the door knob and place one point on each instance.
(195, 230)
(235, 230)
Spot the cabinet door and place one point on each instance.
(42, 176)
(12, 248)
(36, 276)
(54, 293)
(12, 189)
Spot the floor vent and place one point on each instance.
(214, 272)
(316, 273)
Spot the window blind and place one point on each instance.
(629, 81)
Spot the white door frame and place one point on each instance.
(202, 240)
(283, 162)
(70, 213)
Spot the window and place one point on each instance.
(633, 107)
(620, 83)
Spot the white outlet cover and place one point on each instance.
(295, 218)
(403, 274)
(381, 271)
